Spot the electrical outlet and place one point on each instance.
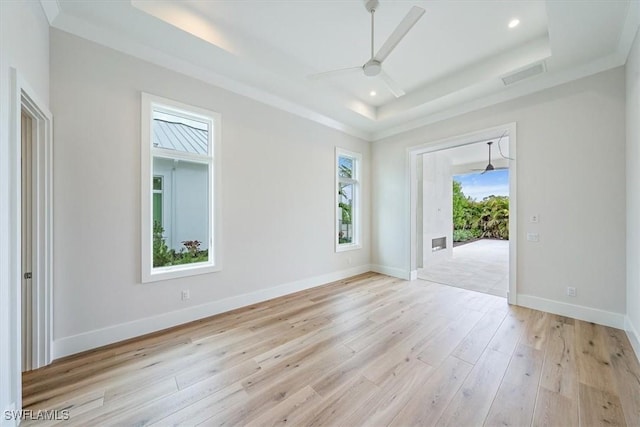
(185, 295)
(533, 237)
(571, 291)
(534, 219)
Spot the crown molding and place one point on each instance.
(112, 40)
(51, 9)
(518, 90)
(629, 29)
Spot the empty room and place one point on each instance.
(319, 213)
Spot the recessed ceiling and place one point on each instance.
(452, 60)
(328, 35)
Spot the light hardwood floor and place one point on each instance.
(370, 350)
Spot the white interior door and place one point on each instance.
(27, 239)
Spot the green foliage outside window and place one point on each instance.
(346, 212)
(163, 256)
(161, 253)
(488, 218)
(345, 216)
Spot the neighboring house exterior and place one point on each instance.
(179, 186)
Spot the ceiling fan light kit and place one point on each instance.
(373, 67)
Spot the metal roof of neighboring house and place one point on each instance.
(179, 137)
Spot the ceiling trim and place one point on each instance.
(527, 87)
(479, 72)
(114, 40)
(111, 39)
(51, 9)
(629, 29)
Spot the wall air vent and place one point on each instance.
(438, 244)
(524, 73)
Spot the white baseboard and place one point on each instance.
(392, 271)
(588, 314)
(634, 336)
(92, 339)
(413, 275)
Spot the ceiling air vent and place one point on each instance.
(525, 73)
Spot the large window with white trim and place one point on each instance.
(180, 177)
(348, 166)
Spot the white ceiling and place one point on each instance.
(479, 152)
(472, 156)
(450, 62)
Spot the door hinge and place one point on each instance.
(27, 275)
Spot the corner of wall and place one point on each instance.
(632, 80)
(633, 335)
(394, 272)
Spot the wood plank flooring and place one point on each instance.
(370, 350)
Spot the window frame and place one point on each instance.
(356, 217)
(149, 104)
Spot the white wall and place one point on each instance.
(571, 152)
(437, 206)
(633, 193)
(277, 199)
(24, 45)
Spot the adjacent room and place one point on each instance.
(355, 212)
(462, 216)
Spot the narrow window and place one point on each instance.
(179, 187)
(347, 200)
(157, 201)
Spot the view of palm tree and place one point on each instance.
(481, 206)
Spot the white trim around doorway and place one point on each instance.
(24, 98)
(458, 141)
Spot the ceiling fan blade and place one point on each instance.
(495, 169)
(334, 73)
(398, 34)
(395, 89)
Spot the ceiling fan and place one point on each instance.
(490, 167)
(373, 67)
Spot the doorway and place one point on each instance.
(26, 182)
(487, 262)
(465, 216)
(31, 236)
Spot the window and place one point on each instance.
(157, 200)
(180, 181)
(347, 200)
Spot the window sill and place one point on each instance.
(349, 247)
(177, 271)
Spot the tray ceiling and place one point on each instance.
(452, 60)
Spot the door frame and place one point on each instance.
(458, 141)
(24, 98)
(26, 240)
